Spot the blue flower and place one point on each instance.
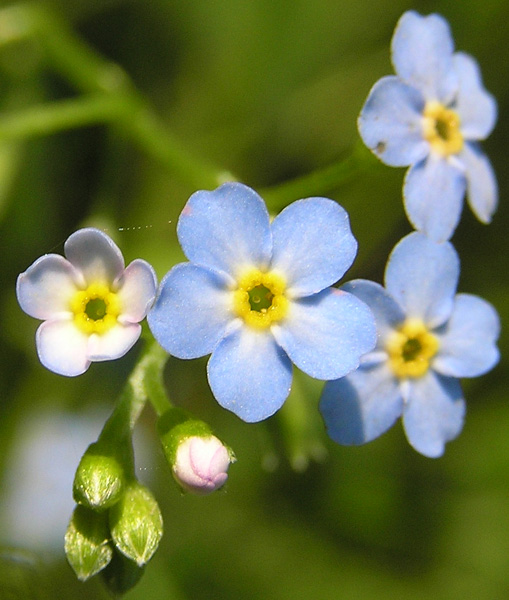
(428, 337)
(256, 295)
(431, 116)
(90, 304)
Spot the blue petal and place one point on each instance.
(387, 312)
(481, 182)
(326, 334)
(422, 277)
(475, 106)
(191, 312)
(362, 405)
(250, 375)
(390, 123)
(313, 245)
(467, 340)
(433, 195)
(422, 50)
(226, 230)
(434, 413)
(95, 254)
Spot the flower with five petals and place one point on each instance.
(431, 116)
(256, 295)
(90, 304)
(428, 337)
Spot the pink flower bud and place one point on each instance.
(201, 464)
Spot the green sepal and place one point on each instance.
(121, 574)
(136, 523)
(175, 426)
(87, 542)
(100, 477)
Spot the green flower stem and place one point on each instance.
(114, 98)
(300, 425)
(62, 115)
(144, 383)
(322, 181)
(110, 97)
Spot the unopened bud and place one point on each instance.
(198, 459)
(136, 523)
(201, 464)
(87, 543)
(99, 480)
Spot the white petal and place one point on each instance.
(137, 290)
(62, 347)
(94, 254)
(45, 289)
(114, 343)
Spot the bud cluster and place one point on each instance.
(116, 526)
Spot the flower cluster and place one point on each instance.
(258, 294)
(429, 116)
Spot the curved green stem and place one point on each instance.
(321, 181)
(112, 96)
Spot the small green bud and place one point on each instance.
(136, 523)
(199, 460)
(100, 478)
(87, 542)
(121, 574)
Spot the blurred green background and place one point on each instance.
(269, 90)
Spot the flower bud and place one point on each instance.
(199, 460)
(136, 523)
(100, 479)
(201, 464)
(87, 544)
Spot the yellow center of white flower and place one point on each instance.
(441, 127)
(260, 298)
(411, 349)
(95, 309)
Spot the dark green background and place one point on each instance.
(270, 90)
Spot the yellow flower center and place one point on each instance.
(95, 309)
(441, 127)
(411, 349)
(259, 298)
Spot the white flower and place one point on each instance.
(90, 303)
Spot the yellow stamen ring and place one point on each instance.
(441, 127)
(259, 298)
(411, 349)
(95, 309)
